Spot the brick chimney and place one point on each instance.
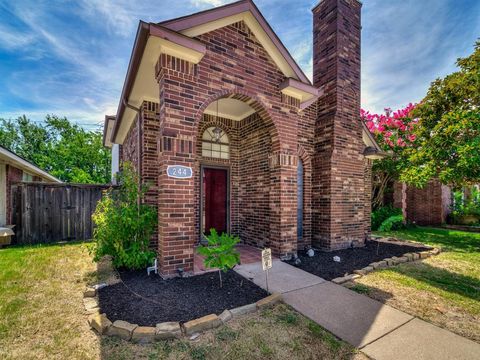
(339, 206)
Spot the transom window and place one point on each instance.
(215, 143)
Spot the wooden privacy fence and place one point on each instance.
(45, 212)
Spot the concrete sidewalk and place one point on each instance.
(379, 330)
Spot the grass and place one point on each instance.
(41, 317)
(444, 289)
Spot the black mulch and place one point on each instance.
(178, 299)
(322, 264)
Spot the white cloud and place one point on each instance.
(12, 39)
(303, 56)
(119, 16)
(208, 3)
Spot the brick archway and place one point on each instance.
(258, 169)
(248, 98)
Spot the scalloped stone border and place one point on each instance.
(388, 262)
(166, 330)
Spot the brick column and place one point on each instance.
(283, 203)
(338, 164)
(176, 197)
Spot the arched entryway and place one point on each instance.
(234, 143)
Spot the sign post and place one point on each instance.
(266, 263)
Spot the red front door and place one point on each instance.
(215, 200)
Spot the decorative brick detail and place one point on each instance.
(290, 101)
(173, 63)
(338, 164)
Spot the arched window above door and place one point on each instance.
(215, 143)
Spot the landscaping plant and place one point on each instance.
(220, 252)
(383, 213)
(124, 225)
(394, 132)
(395, 222)
(466, 209)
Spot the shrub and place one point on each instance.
(392, 223)
(124, 225)
(382, 214)
(220, 252)
(464, 207)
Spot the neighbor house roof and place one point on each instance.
(176, 37)
(370, 142)
(13, 159)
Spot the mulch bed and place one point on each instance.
(322, 264)
(177, 299)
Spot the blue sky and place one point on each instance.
(69, 58)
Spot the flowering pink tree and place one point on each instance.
(394, 132)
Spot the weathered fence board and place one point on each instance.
(46, 213)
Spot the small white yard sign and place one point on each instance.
(266, 263)
(266, 259)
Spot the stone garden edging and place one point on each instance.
(166, 330)
(386, 263)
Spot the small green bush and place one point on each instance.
(124, 225)
(381, 214)
(462, 207)
(220, 252)
(392, 223)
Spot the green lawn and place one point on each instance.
(42, 317)
(443, 289)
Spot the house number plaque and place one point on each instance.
(179, 171)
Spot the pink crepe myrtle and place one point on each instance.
(394, 129)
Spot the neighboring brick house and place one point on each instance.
(263, 153)
(427, 206)
(14, 169)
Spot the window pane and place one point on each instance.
(216, 149)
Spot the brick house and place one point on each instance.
(14, 169)
(217, 116)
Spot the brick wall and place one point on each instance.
(147, 157)
(339, 214)
(13, 175)
(235, 65)
(427, 206)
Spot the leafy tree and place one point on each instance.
(220, 252)
(124, 225)
(394, 132)
(449, 129)
(62, 148)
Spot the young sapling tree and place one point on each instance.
(220, 252)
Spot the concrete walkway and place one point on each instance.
(379, 330)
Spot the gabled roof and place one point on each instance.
(176, 37)
(9, 157)
(208, 20)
